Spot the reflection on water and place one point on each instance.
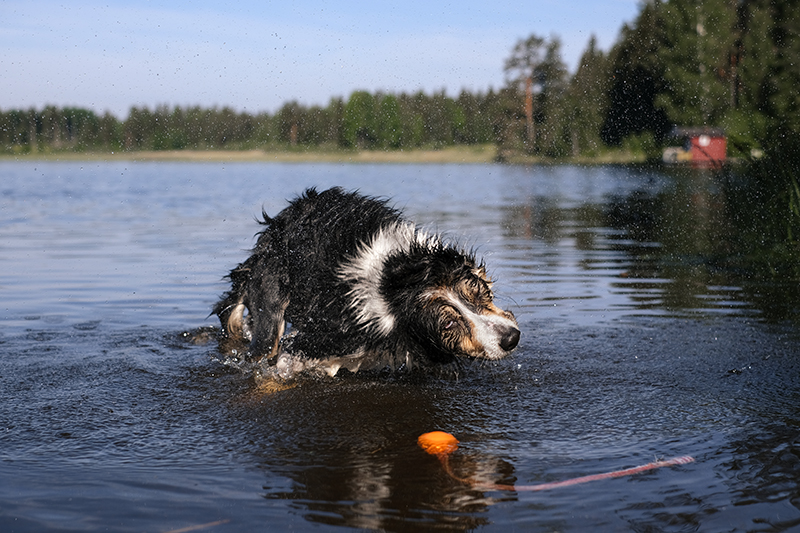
(662, 246)
(367, 465)
(646, 334)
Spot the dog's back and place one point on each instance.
(293, 268)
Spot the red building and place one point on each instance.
(707, 146)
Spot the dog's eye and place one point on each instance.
(449, 324)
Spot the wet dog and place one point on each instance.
(362, 288)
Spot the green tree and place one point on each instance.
(359, 128)
(336, 125)
(442, 119)
(109, 132)
(523, 73)
(637, 73)
(411, 117)
(389, 125)
(477, 118)
(745, 122)
(138, 128)
(550, 102)
(316, 128)
(535, 69)
(289, 119)
(587, 101)
(784, 80)
(695, 51)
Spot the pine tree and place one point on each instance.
(784, 100)
(359, 128)
(696, 49)
(637, 74)
(390, 127)
(551, 102)
(535, 69)
(587, 100)
(523, 72)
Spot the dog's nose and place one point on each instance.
(509, 339)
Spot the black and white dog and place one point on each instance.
(362, 288)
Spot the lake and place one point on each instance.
(639, 342)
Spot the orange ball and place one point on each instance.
(438, 443)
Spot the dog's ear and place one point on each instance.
(481, 273)
(400, 276)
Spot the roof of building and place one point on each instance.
(697, 132)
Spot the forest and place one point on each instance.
(732, 64)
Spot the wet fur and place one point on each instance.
(361, 288)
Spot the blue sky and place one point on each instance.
(255, 56)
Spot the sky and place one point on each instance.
(255, 56)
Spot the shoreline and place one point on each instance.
(480, 154)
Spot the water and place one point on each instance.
(636, 345)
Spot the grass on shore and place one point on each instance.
(476, 154)
(452, 154)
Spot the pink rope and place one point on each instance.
(685, 459)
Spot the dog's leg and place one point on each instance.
(230, 311)
(231, 308)
(236, 323)
(236, 332)
(268, 328)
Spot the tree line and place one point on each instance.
(733, 64)
(363, 121)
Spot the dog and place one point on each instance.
(363, 288)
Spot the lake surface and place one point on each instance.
(637, 343)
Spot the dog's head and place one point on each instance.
(444, 301)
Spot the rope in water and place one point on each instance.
(442, 444)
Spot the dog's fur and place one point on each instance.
(361, 288)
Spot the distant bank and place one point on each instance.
(475, 154)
